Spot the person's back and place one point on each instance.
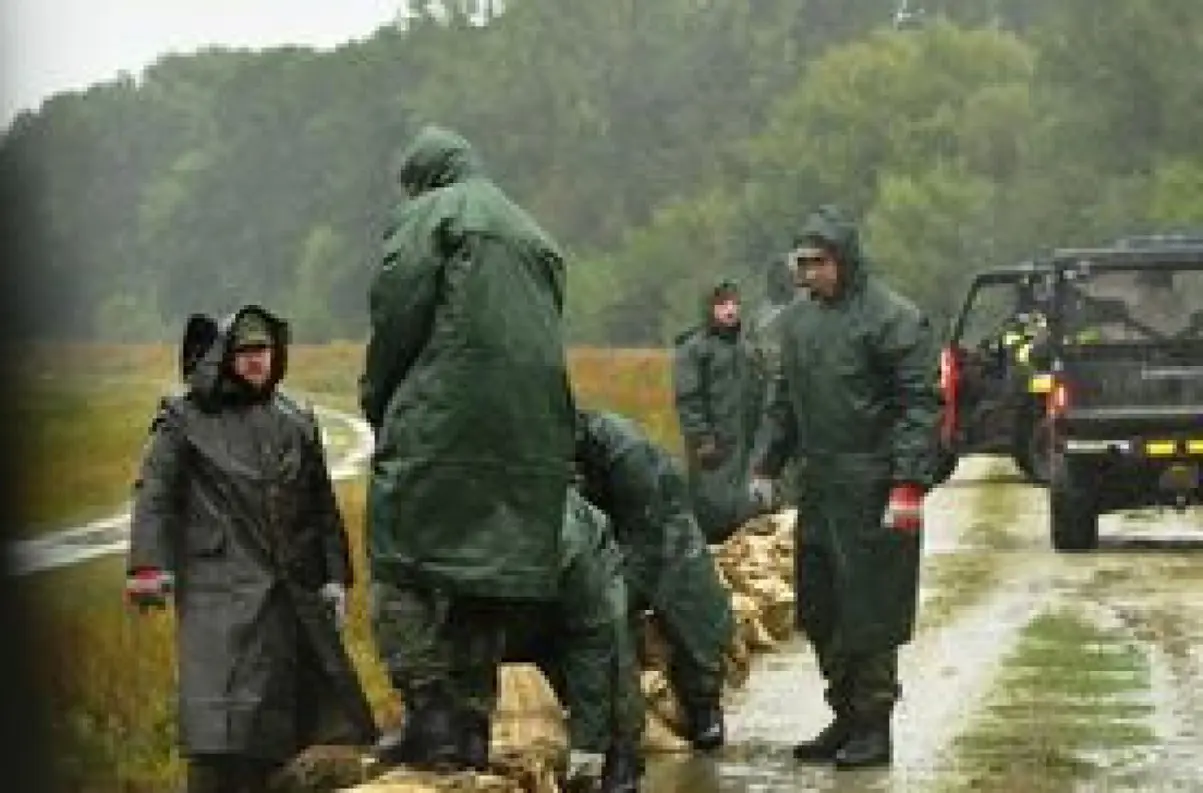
(465, 384)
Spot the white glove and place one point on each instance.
(335, 595)
(761, 491)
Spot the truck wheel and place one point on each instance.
(1072, 507)
(946, 464)
(1033, 455)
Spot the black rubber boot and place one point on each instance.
(704, 721)
(868, 746)
(393, 748)
(476, 741)
(622, 769)
(824, 747)
(430, 738)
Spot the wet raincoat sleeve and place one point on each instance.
(907, 346)
(777, 436)
(693, 410)
(402, 302)
(157, 495)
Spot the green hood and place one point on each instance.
(828, 227)
(436, 158)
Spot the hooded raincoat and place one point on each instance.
(234, 497)
(856, 405)
(465, 383)
(719, 382)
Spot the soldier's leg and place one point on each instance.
(478, 630)
(228, 773)
(693, 610)
(874, 690)
(816, 611)
(598, 667)
(411, 630)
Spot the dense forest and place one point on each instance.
(663, 143)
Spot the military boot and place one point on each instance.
(824, 747)
(704, 722)
(476, 740)
(868, 746)
(622, 768)
(431, 736)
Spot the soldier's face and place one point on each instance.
(819, 271)
(726, 312)
(253, 364)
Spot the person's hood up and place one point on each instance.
(714, 294)
(780, 288)
(436, 158)
(208, 351)
(828, 227)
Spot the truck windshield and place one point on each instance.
(1147, 303)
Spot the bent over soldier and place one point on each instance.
(669, 568)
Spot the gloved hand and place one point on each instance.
(148, 587)
(708, 452)
(760, 489)
(904, 510)
(335, 595)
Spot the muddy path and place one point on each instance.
(1030, 670)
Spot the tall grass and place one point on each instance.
(109, 673)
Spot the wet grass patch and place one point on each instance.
(956, 581)
(1071, 702)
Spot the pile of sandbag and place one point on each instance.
(529, 743)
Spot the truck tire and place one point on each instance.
(1032, 452)
(1073, 509)
(946, 464)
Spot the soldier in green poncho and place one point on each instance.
(855, 405)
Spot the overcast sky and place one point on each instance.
(48, 46)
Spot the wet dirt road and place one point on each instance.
(1031, 670)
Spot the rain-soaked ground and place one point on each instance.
(1030, 671)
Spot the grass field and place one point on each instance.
(108, 672)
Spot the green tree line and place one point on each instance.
(663, 143)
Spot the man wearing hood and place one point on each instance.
(855, 405)
(234, 515)
(465, 384)
(668, 566)
(719, 386)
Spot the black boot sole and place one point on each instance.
(843, 765)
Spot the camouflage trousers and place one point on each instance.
(429, 640)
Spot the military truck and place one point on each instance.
(1125, 406)
(992, 375)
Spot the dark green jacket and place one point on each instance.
(669, 567)
(858, 381)
(233, 495)
(856, 403)
(719, 387)
(465, 383)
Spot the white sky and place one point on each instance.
(47, 46)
